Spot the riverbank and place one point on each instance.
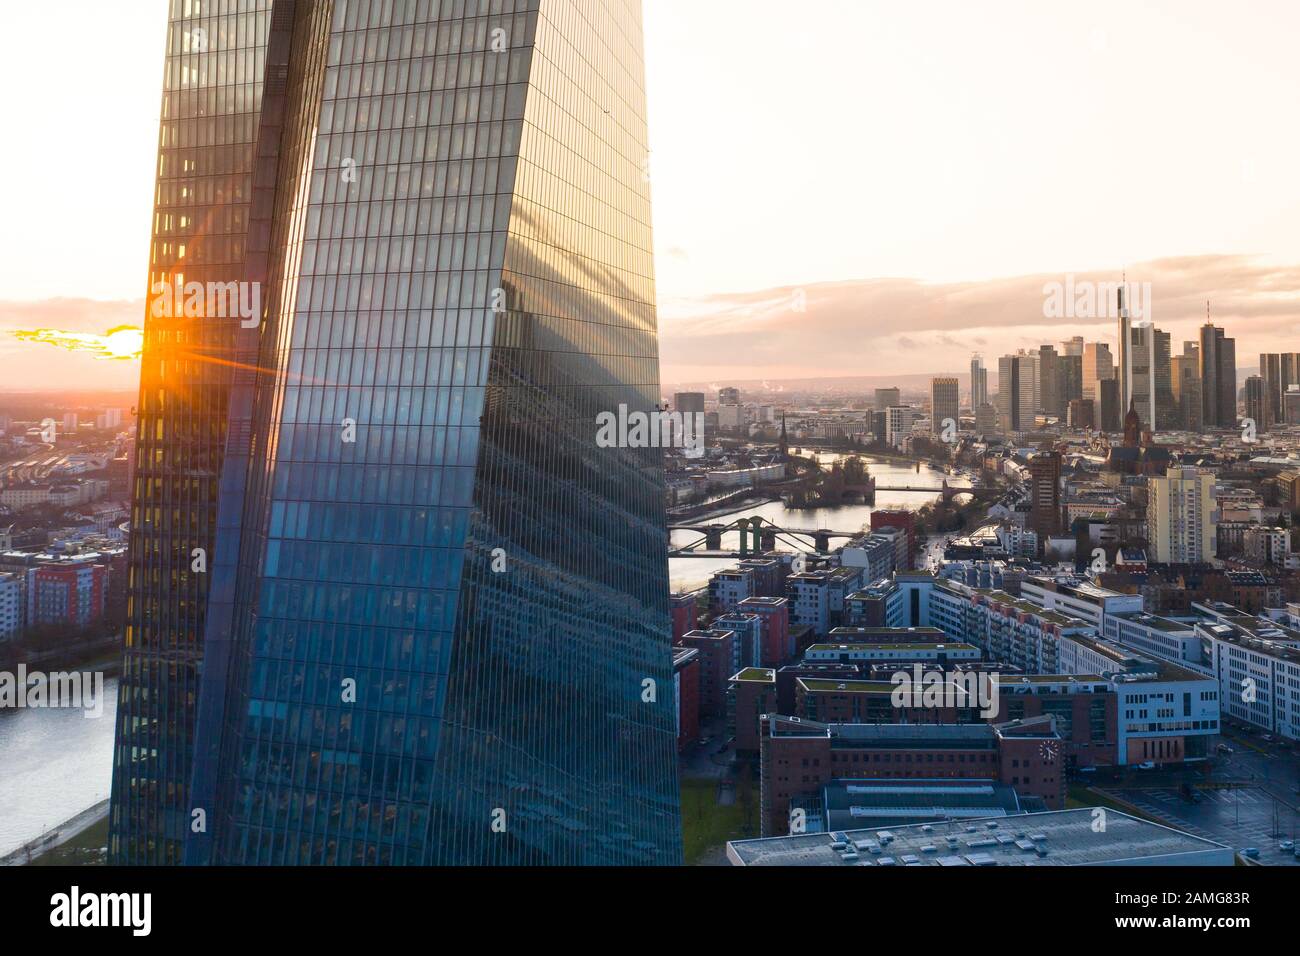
(67, 831)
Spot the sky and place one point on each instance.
(909, 174)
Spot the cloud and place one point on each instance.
(902, 326)
(34, 365)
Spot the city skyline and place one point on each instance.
(728, 267)
(644, 433)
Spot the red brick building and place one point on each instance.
(798, 757)
(753, 693)
(686, 694)
(775, 611)
(904, 520)
(716, 654)
(684, 611)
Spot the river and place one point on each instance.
(688, 573)
(54, 763)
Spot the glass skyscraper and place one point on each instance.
(433, 623)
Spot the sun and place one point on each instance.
(123, 342)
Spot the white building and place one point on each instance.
(1257, 665)
(1077, 597)
(810, 600)
(898, 424)
(1181, 517)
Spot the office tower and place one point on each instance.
(1073, 347)
(1081, 413)
(898, 424)
(1279, 370)
(986, 418)
(1098, 366)
(1270, 371)
(1256, 403)
(1218, 377)
(1045, 494)
(1017, 392)
(979, 382)
(1162, 375)
(1107, 410)
(1185, 381)
(728, 396)
(887, 397)
(204, 188)
(1291, 405)
(943, 404)
(689, 403)
(1180, 517)
(1069, 378)
(1290, 370)
(1137, 365)
(437, 628)
(1049, 396)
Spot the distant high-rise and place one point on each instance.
(689, 402)
(1291, 405)
(1069, 378)
(1049, 395)
(1073, 346)
(1162, 376)
(944, 404)
(1270, 371)
(397, 596)
(1137, 365)
(1017, 392)
(1185, 381)
(1107, 411)
(1180, 517)
(1257, 409)
(898, 424)
(1098, 366)
(1218, 378)
(1279, 370)
(728, 396)
(979, 382)
(1045, 494)
(887, 397)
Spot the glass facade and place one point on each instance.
(442, 630)
(212, 91)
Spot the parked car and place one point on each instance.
(1287, 845)
(1147, 765)
(1225, 749)
(1251, 853)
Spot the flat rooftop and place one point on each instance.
(915, 645)
(1054, 838)
(1157, 623)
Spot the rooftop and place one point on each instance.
(1055, 838)
(858, 648)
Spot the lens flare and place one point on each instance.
(123, 342)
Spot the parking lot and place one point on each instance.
(1239, 817)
